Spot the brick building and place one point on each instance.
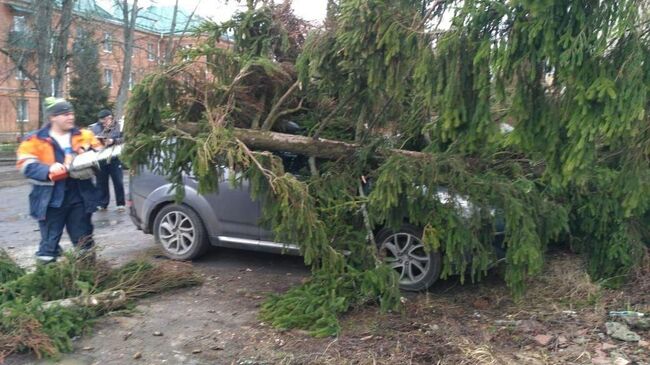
(19, 109)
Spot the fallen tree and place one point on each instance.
(308, 146)
(41, 311)
(383, 93)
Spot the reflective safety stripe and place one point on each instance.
(41, 183)
(24, 163)
(22, 156)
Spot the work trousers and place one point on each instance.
(72, 216)
(112, 170)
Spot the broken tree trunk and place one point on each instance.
(107, 300)
(322, 148)
(318, 147)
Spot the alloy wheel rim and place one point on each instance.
(405, 254)
(177, 233)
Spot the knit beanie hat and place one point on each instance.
(57, 106)
(104, 113)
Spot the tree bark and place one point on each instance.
(108, 300)
(274, 113)
(128, 27)
(42, 39)
(61, 46)
(320, 148)
(173, 44)
(170, 47)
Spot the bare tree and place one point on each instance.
(36, 52)
(130, 15)
(43, 41)
(129, 18)
(172, 41)
(170, 46)
(61, 54)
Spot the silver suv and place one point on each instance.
(230, 218)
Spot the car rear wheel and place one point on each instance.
(403, 250)
(180, 232)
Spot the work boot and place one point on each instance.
(45, 260)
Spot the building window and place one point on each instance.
(108, 42)
(19, 24)
(151, 56)
(108, 78)
(22, 115)
(131, 80)
(20, 75)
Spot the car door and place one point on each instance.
(296, 165)
(237, 213)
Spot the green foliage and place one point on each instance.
(26, 324)
(613, 242)
(462, 223)
(87, 94)
(314, 306)
(47, 332)
(9, 270)
(570, 77)
(49, 282)
(289, 209)
(267, 31)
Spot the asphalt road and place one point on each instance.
(116, 237)
(215, 323)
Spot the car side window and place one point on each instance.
(294, 163)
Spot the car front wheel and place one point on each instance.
(180, 232)
(403, 250)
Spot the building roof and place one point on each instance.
(157, 19)
(89, 8)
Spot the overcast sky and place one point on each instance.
(218, 10)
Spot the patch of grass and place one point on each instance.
(481, 354)
(634, 294)
(565, 280)
(8, 147)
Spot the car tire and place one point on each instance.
(180, 232)
(403, 250)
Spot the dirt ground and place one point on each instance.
(561, 320)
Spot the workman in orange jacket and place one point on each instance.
(59, 198)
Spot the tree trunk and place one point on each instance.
(108, 300)
(321, 148)
(170, 48)
(172, 43)
(42, 39)
(61, 46)
(128, 28)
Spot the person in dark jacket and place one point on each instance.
(108, 132)
(58, 199)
